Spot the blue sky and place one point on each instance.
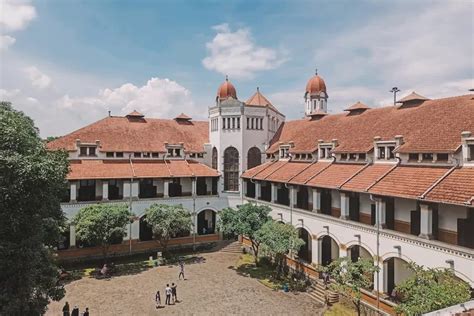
(65, 63)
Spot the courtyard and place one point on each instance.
(212, 287)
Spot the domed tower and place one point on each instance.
(225, 91)
(315, 96)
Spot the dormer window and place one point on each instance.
(109, 154)
(87, 151)
(412, 157)
(385, 149)
(352, 156)
(325, 152)
(137, 155)
(362, 156)
(119, 154)
(155, 155)
(343, 156)
(442, 157)
(83, 151)
(470, 149)
(427, 157)
(284, 152)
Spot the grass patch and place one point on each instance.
(263, 273)
(340, 309)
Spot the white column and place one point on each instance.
(258, 190)
(105, 190)
(293, 196)
(342, 251)
(72, 236)
(382, 274)
(166, 190)
(320, 251)
(380, 212)
(73, 189)
(194, 187)
(426, 221)
(126, 189)
(274, 192)
(316, 200)
(135, 188)
(314, 250)
(98, 189)
(344, 205)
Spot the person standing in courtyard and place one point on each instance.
(158, 299)
(86, 313)
(66, 309)
(173, 293)
(75, 311)
(181, 270)
(168, 294)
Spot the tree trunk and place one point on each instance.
(255, 252)
(105, 250)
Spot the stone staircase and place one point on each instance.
(233, 247)
(318, 292)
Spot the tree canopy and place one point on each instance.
(101, 224)
(278, 239)
(350, 277)
(32, 180)
(246, 220)
(429, 290)
(167, 221)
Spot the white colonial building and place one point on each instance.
(401, 174)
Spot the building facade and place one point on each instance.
(402, 175)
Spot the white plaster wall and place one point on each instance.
(186, 184)
(401, 271)
(403, 208)
(98, 188)
(448, 215)
(365, 204)
(335, 199)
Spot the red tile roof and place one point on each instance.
(249, 173)
(183, 116)
(457, 188)
(121, 169)
(264, 173)
(412, 97)
(258, 99)
(287, 171)
(147, 135)
(362, 181)
(408, 181)
(335, 175)
(310, 171)
(357, 107)
(433, 126)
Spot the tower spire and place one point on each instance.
(316, 71)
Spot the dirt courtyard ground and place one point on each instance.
(212, 288)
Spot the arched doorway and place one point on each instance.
(214, 158)
(231, 169)
(395, 271)
(328, 250)
(145, 232)
(305, 251)
(254, 157)
(206, 222)
(355, 252)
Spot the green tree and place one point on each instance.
(102, 224)
(32, 180)
(278, 239)
(429, 290)
(350, 277)
(167, 221)
(246, 220)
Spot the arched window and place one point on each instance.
(231, 169)
(254, 157)
(214, 158)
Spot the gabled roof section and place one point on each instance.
(335, 175)
(359, 106)
(124, 135)
(433, 126)
(412, 97)
(183, 117)
(135, 114)
(456, 188)
(258, 99)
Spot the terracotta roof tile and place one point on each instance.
(147, 135)
(264, 173)
(457, 188)
(335, 175)
(366, 177)
(121, 169)
(408, 181)
(258, 99)
(357, 107)
(183, 116)
(249, 173)
(310, 171)
(434, 126)
(287, 171)
(412, 97)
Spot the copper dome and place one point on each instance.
(316, 85)
(226, 90)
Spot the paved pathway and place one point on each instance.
(212, 288)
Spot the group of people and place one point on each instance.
(170, 291)
(75, 311)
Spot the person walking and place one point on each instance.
(86, 313)
(66, 309)
(75, 311)
(181, 270)
(168, 294)
(173, 293)
(158, 299)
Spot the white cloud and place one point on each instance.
(6, 95)
(6, 41)
(236, 54)
(37, 78)
(16, 14)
